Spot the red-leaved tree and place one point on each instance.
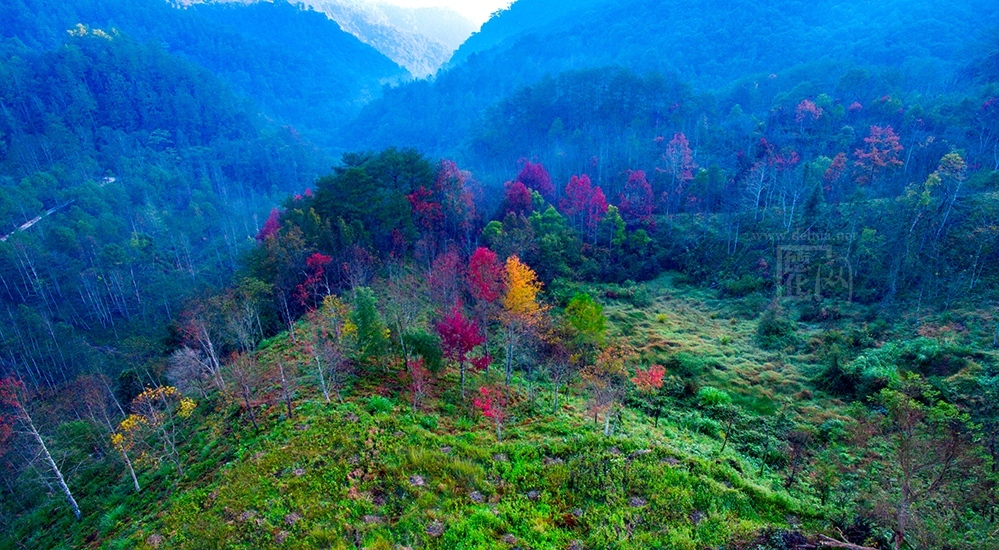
(427, 212)
(832, 176)
(315, 281)
(516, 198)
(445, 279)
(807, 110)
(271, 226)
(536, 178)
(584, 204)
(880, 152)
(484, 278)
(492, 402)
(637, 201)
(418, 378)
(649, 382)
(679, 159)
(459, 336)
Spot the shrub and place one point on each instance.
(683, 364)
(815, 312)
(423, 344)
(379, 405)
(641, 297)
(774, 331)
(832, 430)
(713, 397)
(743, 286)
(701, 424)
(429, 422)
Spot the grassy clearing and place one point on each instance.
(373, 473)
(340, 476)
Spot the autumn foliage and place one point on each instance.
(522, 288)
(517, 198)
(485, 275)
(536, 178)
(271, 226)
(649, 380)
(492, 402)
(11, 404)
(459, 336)
(637, 201)
(880, 152)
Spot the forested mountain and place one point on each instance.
(527, 16)
(655, 275)
(146, 174)
(298, 66)
(710, 45)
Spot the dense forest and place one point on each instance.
(622, 275)
(297, 66)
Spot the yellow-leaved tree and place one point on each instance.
(522, 313)
(152, 427)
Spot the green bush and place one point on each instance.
(421, 343)
(832, 430)
(429, 422)
(687, 365)
(774, 331)
(641, 297)
(379, 405)
(743, 286)
(713, 397)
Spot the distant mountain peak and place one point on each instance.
(419, 39)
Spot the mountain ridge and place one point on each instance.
(318, 86)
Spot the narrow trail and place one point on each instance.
(28, 224)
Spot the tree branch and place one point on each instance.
(829, 542)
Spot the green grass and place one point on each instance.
(339, 474)
(373, 473)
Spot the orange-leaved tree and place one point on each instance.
(521, 311)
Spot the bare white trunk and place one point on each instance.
(55, 468)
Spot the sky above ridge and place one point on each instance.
(478, 11)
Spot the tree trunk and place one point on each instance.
(55, 468)
(249, 409)
(322, 379)
(509, 358)
(131, 471)
(461, 370)
(284, 388)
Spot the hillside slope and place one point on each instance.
(710, 45)
(297, 65)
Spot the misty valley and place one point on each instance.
(574, 275)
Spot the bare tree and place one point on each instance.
(246, 375)
(17, 418)
(97, 399)
(925, 448)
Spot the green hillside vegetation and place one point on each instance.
(646, 300)
(148, 177)
(374, 471)
(316, 86)
(715, 47)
